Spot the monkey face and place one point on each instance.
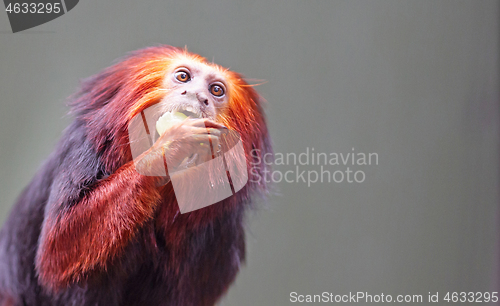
(195, 154)
(196, 89)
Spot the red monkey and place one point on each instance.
(92, 230)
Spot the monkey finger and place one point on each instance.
(215, 144)
(214, 132)
(207, 123)
(205, 131)
(203, 139)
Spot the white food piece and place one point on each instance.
(167, 120)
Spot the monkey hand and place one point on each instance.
(183, 145)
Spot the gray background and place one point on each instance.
(415, 81)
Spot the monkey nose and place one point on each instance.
(202, 98)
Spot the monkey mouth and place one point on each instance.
(190, 111)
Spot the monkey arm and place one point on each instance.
(86, 235)
(88, 220)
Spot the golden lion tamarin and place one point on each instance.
(93, 229)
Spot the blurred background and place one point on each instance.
(416, 82)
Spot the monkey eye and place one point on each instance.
(217, 90)
(182, 76)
